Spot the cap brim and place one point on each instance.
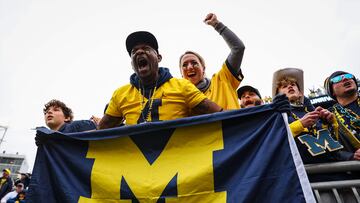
(245, 88)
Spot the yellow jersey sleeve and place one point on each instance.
(114, 104)
(192, 95)
(296, 128)
(225, 75)
(222, 89)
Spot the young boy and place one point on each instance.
(59, 117)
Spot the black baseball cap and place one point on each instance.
(141, 37)
(242, 89)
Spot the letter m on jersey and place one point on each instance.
(181, 171)
(318, 145)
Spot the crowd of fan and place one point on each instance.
(13, 191)
(321, 135)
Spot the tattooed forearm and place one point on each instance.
(206, 106)
(109, 122)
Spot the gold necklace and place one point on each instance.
(343, 112)
(150, 99)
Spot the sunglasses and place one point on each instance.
(339, 78)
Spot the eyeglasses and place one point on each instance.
(146, 49)
(339, 78)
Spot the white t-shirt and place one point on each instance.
(9, 196)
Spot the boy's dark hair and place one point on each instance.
(56, 103)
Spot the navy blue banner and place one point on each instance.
(244, 155)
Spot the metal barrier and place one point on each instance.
(343, 191)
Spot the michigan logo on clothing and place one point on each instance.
(318, 145)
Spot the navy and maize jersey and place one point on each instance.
(315, 145)
(223, 87)
(173, 99)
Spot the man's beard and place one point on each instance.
(350, 93)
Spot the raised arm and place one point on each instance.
(108, 121)
(236, 46)
(206, 106)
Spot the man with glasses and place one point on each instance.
(153, 94)
(342, 87)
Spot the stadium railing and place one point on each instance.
(343, 191)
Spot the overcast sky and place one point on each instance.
(74, 50)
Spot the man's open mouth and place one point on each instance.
(347, 84)
(142, 62)
(248, 102)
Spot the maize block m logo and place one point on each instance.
(318, 145)
(181, 172)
